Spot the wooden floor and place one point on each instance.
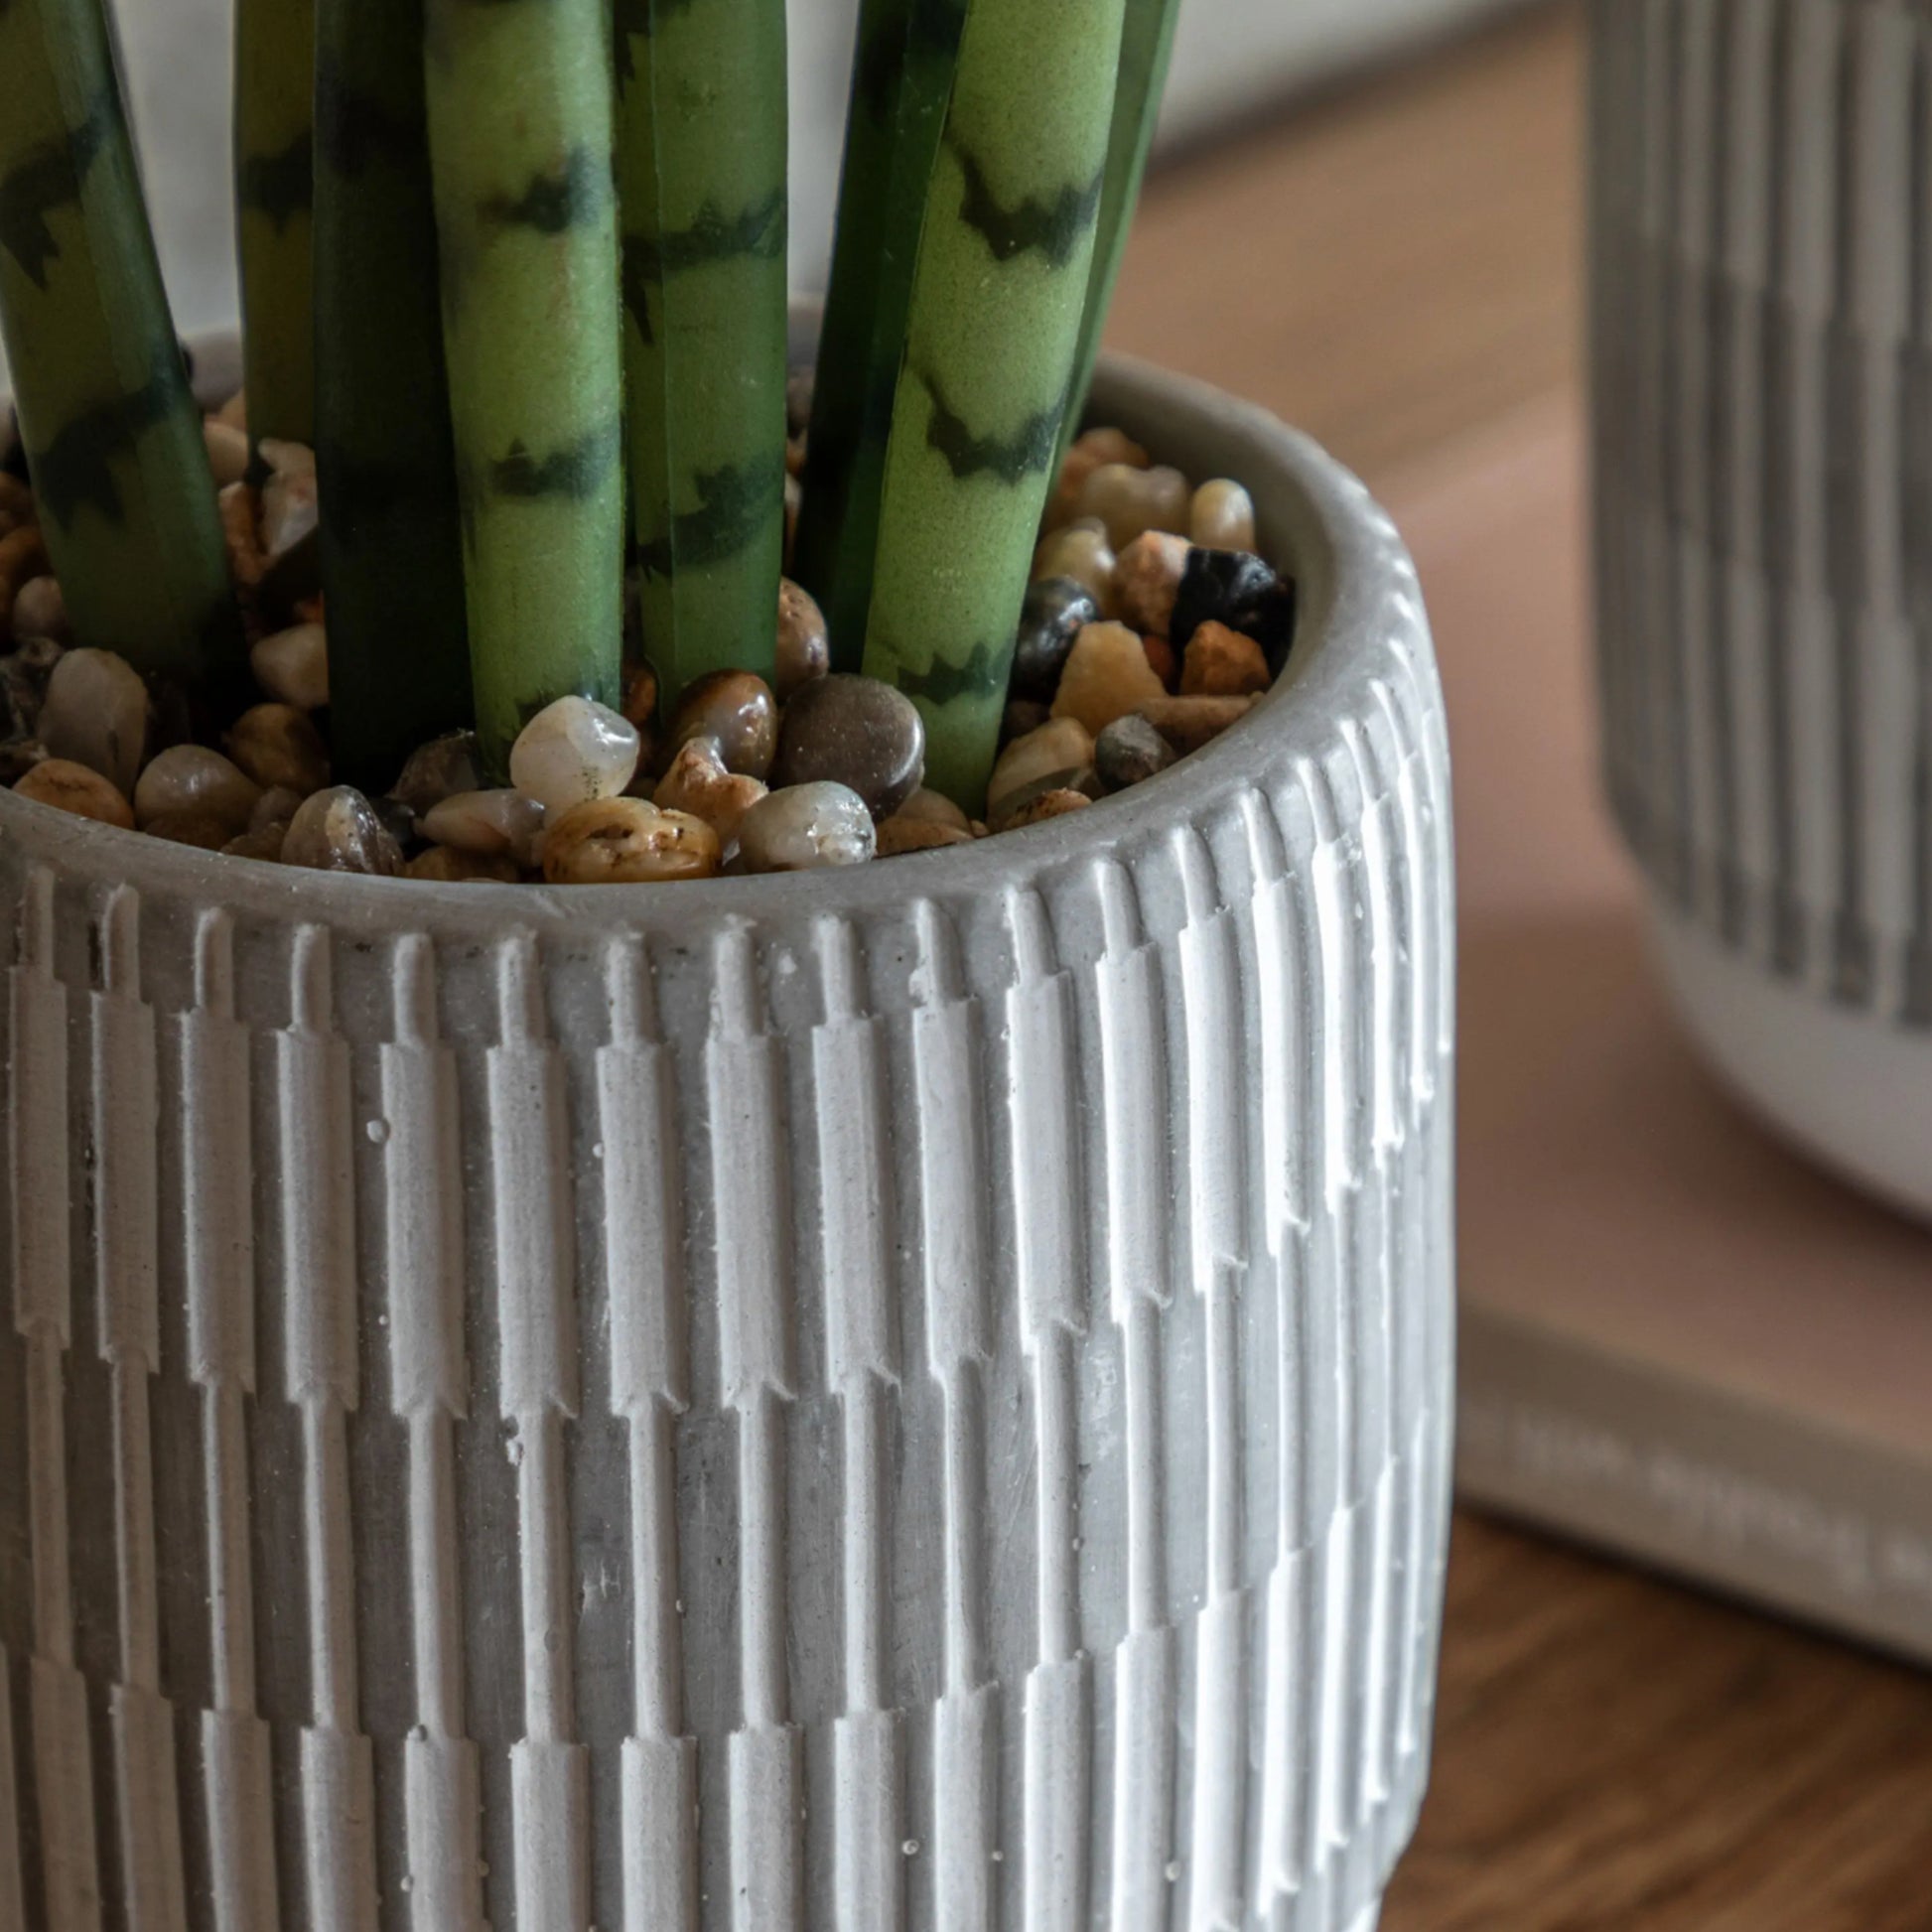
(1397, 269)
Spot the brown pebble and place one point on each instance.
(1055, 750)
(41, 613)
(1087, 454)
(436, 771)
(1081, 552)
(737, 710)
(446, 864)
(1107, 675)
(276, 806)
(264, 842)
(277, 745)
(639, 694)
(1146, 580)
(1161, 659)
(804, 648)
(625, 841)
(1084, 779)
(193, 778)
(1050, 804)
(853, 731)
(23, 556)
(241, 528)
(900, 834)
(338, 830)
(1129, 501)
(934, 807)
(77, 788)
(228, 451)
(1222, 663)
(192, 826)
(698, 783)
(1190, 722)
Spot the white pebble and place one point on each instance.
(802, 828)
(1222, 516)
(490, 823)
(1130, 500)
(573, 751)
(293, 665)
(193, 777)
(97, 714)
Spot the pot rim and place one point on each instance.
(1355, 590)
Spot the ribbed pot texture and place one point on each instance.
(1762, 315)
(908, 1398)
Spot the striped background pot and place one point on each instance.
(1762, 318)
(909, 1397)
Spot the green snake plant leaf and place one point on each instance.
(274, 161)
(520, 124)
(701, 173)
(391, 531)
(997, 301)
(902, 77)
(112, 436)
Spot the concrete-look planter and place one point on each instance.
(914, 1397)
(1764, 426)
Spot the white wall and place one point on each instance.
(1232, 54)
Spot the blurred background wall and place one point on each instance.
(1235, 57)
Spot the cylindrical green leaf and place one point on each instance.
(274, 159)
(902, 82)
(391, 533)
(520, 146)
(997, 301)
(1145, 52)
(701, 173)
(112, 435)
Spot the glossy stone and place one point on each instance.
(1056, 750)
(857, 732)
(337, 830)
(1080, 551)
(573, 751)
(41, 612)
(698, 783)
(193, 826)
(1107, 675)
(437, 770)
(1222, 516)
(276, 806)
(1146, 580)
(1238, 590)
(804, 648)
(193, 777)
(78, 788)
(807, 827)
(490, 823)
(293, 665)
(277, 745)
(1057, 611)
(97, 714)
(627, 842)
(737, 711)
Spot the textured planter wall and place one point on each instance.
(1762, 232)
(918, 1399)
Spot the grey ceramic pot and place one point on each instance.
(1763, 320)
(908, 1398)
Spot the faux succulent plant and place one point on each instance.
(517, 270)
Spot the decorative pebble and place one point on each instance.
(1107, 675)
(1088, 453)
(1161, 659)
(240, 512)
(1190, 722)
(337, 831)
(1222, 663)
(1146, 580)
(41, 613)
(1055, 750)
(1222, 516)
(625, 842)
(1128, 751)
(698, 783)
(804, 827)
(259, 842)
(1021, 714)
(277, 745)
(900, 834)
(1083, 780)
(192, 778)
(18, 757)
(23, 557)
(77, 788)
(276, 806)
(935, 808)
(1238, 590)
(735, 709)
(293, 665)
(857, 732)
(490, 823)
(1128, 501)
(804, 648)
(1057, 611)
(192, 826)
(24, 677)
(397, 820)
(1050, 804)
(289, 511)
(573, 751)
(1080, 551)
(228, 451)
(446, 864)
(639, 692)
(97, 714)
(437, 770)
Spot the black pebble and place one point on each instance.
(1057, 611)
(1234, 587)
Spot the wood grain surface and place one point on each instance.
(1395, 267)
